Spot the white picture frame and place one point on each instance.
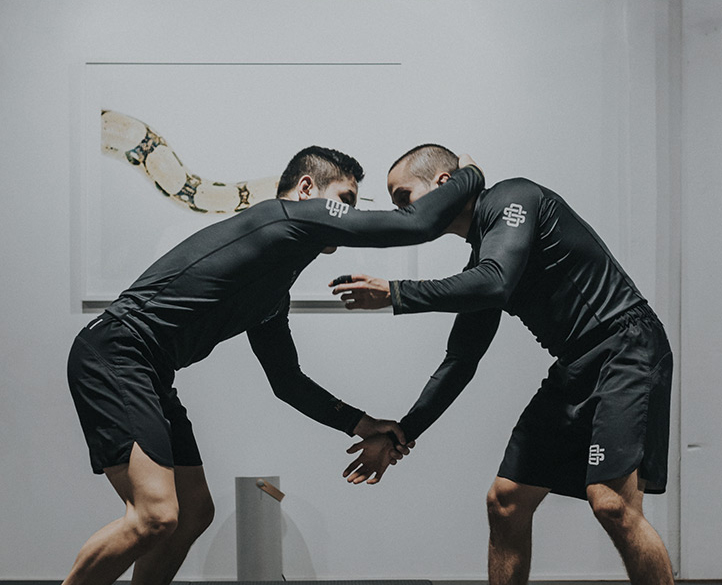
(228, 122)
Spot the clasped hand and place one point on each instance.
(383, 444)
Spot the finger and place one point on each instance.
(353, 477)
(343, 279)
(396, 434)
(355, 447)
(376, 478)
(402, 450)
(361, 476)
(350, 468)
(348, 279)
(349, 296)
(363, 287)
(356, 302)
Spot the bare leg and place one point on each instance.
(151, 515)
(617, 505)
(511, 507)
(159, 565)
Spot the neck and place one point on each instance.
(462, 222)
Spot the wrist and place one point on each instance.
(365, 426)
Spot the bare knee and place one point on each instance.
(199, 517)
(500, 504)
(613, 512)
(153, 525)
(510, 505)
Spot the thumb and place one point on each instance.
(355, 447)
(396, 434)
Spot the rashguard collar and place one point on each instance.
(473, 236)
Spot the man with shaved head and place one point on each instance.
(598, 427)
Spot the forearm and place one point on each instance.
(273, 345)
(306, 396)
(469, 340)
(483, 287)
(440, 391)
(434, 212)
(425, 220)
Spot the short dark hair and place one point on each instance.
(323, 165)
(426, 160)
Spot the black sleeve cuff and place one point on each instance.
(354, 417)
(395, 290)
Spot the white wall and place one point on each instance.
(701, 278)
(569, 93)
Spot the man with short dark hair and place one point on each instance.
(598, 428)
(230, 277)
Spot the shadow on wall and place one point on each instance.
(295, 551)
(220, 560)
(221, 556)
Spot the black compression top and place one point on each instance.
(235, 275)
(532, 256)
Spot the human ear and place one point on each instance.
(441, 178)
(304, 187)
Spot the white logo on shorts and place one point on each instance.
(336, 208)
(514, 215)
(596, 455)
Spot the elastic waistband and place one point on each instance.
(586, 342)
(631, 316)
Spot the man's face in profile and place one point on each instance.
(345, 191)
(405, 188)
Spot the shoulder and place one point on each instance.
(517, 190)
(519, 185)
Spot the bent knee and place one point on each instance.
(510, 501)
(204, 513)
(152, 526)
(195, 518)
(612, 511)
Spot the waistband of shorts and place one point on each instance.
(153, 352)
(631, 316)
(120, 307)
(641, 312)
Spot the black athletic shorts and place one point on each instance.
(123, 396)
(600, 414)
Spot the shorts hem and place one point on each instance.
(123, 458)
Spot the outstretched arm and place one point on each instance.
(273, 345)
(331, 223)
(486, 284)
(506, 243)
(469, 340)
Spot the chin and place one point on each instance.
(329, 250)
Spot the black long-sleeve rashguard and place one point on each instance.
(235, 276)
(533, 257)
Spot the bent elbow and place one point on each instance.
(281, 387)
(501, 294)
(497, 287)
